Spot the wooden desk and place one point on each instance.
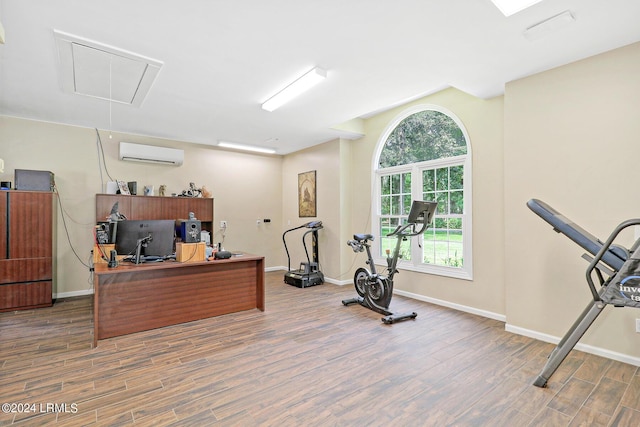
(133, 298)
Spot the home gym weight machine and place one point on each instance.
(375, 290)
(616, 268)
(309, 273)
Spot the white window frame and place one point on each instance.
(466, 271)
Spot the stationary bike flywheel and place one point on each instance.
(379, 292)
(360, 280)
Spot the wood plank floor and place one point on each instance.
(306, 361)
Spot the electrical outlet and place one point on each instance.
(637, 325)
(223, 224)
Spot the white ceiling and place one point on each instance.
(222, 58)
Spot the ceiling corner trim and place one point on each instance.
(98, 70)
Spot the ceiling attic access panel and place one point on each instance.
(101, 71)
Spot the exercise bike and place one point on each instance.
(376, 290)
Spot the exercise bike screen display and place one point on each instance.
(421, 212)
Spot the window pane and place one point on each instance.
(429, 252)
(387, 225)
(395, 184)
(456, 175)
(455, 224)
(442, 179)
(385, 205)
(406, 204)
(456, 202)
(443, 203)
(406, 183)
(439, 224)
(428, 180)
(426, 135)
(445, 246)
(395, 205)
(429, 197)
(385, 185)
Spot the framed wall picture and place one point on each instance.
(307, 194)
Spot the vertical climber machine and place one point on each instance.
(309, 273)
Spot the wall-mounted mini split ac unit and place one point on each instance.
(151, 154)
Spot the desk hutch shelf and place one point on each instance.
(154, 207)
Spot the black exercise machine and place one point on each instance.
(375, 290)
(309, 273)
(616, 269)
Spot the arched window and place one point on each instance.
(424, 154)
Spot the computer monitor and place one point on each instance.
(159, 236)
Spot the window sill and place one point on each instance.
(454, 273)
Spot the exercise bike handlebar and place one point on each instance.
(356, 246)
(400, 230)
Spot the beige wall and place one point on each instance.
(483, 122)
(328, 160)
(71, 154)
(571, 139)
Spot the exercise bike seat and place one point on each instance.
(363, 237)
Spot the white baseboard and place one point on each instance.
(338, 282)
(73, 294)
(459, 307)
(598, 351)
(326, 279)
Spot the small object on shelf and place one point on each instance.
(133, 187)
(222, 255)
(32, 180)
(190, 252)
(112, 187)
(192, 191)
(162, 190)
(123, 188)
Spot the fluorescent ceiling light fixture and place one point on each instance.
(301, 85)
(245, 147)
(509, 7)
(548, 25)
